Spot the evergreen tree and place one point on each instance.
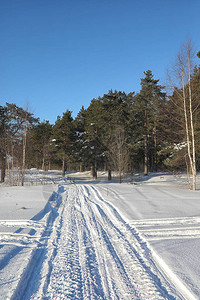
(117, 107)
(63, 138)
(15, 123)
(3, 139)
(39, 153)
(94, 132)
(147, 106)
(106, 118)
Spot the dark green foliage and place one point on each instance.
(118, 131)
(15, 122)
(149, 106)
(81, 144)
(39, 144)
(3, 134)
(63, 138)
(103, 118)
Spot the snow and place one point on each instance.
(73, 238)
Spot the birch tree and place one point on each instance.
(181, 80)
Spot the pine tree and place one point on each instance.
(63, 138)
(39, 153)
(81, 139)
(3, 137)
(147, 108)
(106, 119)
(94, 132)
(116, 113)
(15, 123)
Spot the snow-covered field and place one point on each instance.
(80, 239)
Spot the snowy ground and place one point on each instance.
(80, 239)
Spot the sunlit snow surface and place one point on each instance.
(73, 238)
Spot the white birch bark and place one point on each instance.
(191, 118)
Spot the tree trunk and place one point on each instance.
(186, 120)
(24, 145)
(123, 175)
(145, 146)
(191, 121)
(81, 167)
(13, 175)
(188, 172)
(155, 165)
(63, 166)
(3, 166)
(109, 175)
(43, 170)
(9, 172)
(43, 164)
(94, 172)
(184, 65)
(120, 175)
(145, 156)
(24, 155)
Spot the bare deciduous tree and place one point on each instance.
(119, 151)
(180, 80)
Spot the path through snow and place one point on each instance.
(81, 247)
(90, 252)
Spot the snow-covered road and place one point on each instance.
(82, 246)
(88, 251)
(98, 255)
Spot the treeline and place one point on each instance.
(147, 131)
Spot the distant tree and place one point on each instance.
(195, 85)
(15, 122)
(147, 106)
(183, 97)
(118, 151)
(106, 116)
(80, 153)
(94, 149)
(63, 137)
(3, 140)
(117, 109)
(39, 154)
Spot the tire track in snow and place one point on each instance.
(125, 256)
(126, 247)
(92, 253)
(169, 228)
(65, 280)
(94, 258)
(105, 252)
(75, 273)
(31, 277)
(22, 223)
(116, 195)
(149, 253)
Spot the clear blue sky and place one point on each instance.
(60, 54)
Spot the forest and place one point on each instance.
(154, 130)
